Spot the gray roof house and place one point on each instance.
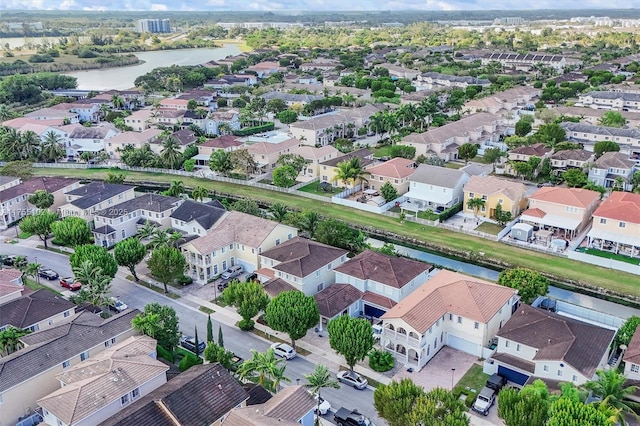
(86, 200)
(195, 218)
(431, 187)
(589, 135)
(35, 311)
(611, 166)
(30, 373)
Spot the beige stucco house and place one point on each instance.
(616, 224)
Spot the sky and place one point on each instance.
(314, 5)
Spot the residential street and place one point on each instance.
(239, 342)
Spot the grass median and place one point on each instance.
(478, 249)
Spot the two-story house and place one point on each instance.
(137, 139)
(266, 154)
(449, 309)
(11, 285)
(54, 115)
(566, 209)
(229, 117)
(291, 406)
(536, 343)
(588, 135)
(505, 102)
(210, 386)
(433, 188)
(305, 264)
(139, 120)
(613, 169)
(430, 79)
(194, 218)
(631, 358)
(228, 143)
(397, 172)
(100, 386)
(511, 196)
(571, 159)
(524, 153)
(616, 224)
(384, 280)
(86, 200)
(121, 221)
(35, 311)
(617, 101)
(89, 139)
(237, 238)
(14, 199)
(30, 373)
(314, 156)
(329, 169)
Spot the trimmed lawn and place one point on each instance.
(467, 246)
(473, 379)
(383, 151)
(490, 228)
(314, 188)
(33, 285)
(428, 215)
(451, 165)
(614, 256)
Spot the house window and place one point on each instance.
(66, 364)
(84, 355)
(113, 341)
(459, 320)
(545, 368)
(559, 373)
(318, 273)
(320, 287)
(476, 325)
(135, 393)
(518, 347)
(471, 195)
(106, 344)
(430, 330)
(635, 368)
(506, 343)
(450, 317)
(622, 224)
(278, 241)
(574, 378)
(124, 399)
(603, 220)
(329, 267)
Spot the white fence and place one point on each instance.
(460, 228)
(605, 263)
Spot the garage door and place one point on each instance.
(372, 311)
(512, 375)
(462, 345)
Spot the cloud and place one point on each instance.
(157, 7)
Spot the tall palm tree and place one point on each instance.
(610, 386)
(309, 222)
(11, 145)
(476, 204)
(51, 147)
(176, 189)
(278, 212)
(170, 154)
(104, 109)
(146, 230)
(320, 379)
(162, 237)
(265, 367)
(199, 193)
(117, 101)
(31, 269)
(10, 340)
(30, 145)
(6, 113)
(224, 128)
(96, 285)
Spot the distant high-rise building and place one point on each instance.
(154, 25)
(510, 20)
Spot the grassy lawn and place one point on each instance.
(614, 256)
(314, 188)
(490, 228)
(466, 246)
(473, 379)
(383, 151)
(24, 235)
(33, 285)
(206, 310)
(456, 166)
(428, 215)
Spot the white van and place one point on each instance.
(232, 272)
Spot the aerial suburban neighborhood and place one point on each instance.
(267, 216)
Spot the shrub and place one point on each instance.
(245, 325)
(381, 361)
(165, 354)
(253, 130)
(185, 280)
(450, 212)
(189, 361)
(40, 58)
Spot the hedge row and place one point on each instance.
(450, 212)
(255, 129)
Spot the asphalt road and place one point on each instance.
(235, 340)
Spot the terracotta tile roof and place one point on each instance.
(534, 213)
(266, 272)
(390, 270)
(450, 292)
(489, 185)
(376, 299)
(99, 381)
(9, 288)
(33, 308)
(395, 168)
(622, 206)
(537, 149)
(8, 275)
(573, 154)
(336, 298)
(559, 338)
(633, 349)
(313, 153)
(275, 286)
(460, 128)
(301, 257)
(18, 123)
(575, 197)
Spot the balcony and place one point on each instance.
(400, 337)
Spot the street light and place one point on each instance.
(38, 271)
(453, 370)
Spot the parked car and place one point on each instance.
(232, 272)
(344, 417)
(251, 277)
(48, 274)
(70, 283)
(189, 343)
(283, 350)
(322, 406)
(117, 305)
(352, 378)
(486, 398)
(15, 261)
(496, 382)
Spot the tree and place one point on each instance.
(308, 223)
(575, 178)
(96, 284)
(209, 329)
(175, 189)
(523, 126)
(243, 161)
(21, 169)
(550, 134)
(492, 155)
(395, 402)
(129, 253)
(530, 284)
(163, 237)
(298, 162)
(351, 338)
(476, 204)
(98, 256)
(350, 171)
(568, 412)
(439, 407)
(527, 408)
(388, 192)
(601, 147)
(220, 161)
(293, 313)
(247, 206)
(166, 264)
(522, 168)
(635, 181)
(199, 193)
(71, 231)
(196, 341)
(501, 216)
(117, 178)
(334, 233)
(287, 117)
(161, 323)
(10, 340)
(170, 154)
(276, 105)
(284, 176)
(467, 151)
(612, 119)
(39, 224)
(321, 378)
(279, 211)
(216, 353)
(269, 369)
(41, 199)
(249, 298)
(626, 332)
(220, 337)
(611, 388)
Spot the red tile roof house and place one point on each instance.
(449, 309)
(616, 224)
(396, 171)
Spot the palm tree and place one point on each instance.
(199, 193)
(147, 230)
(104, 110)
(11, 144)
(162, 237)
(117, 101)
(176, 189)
(96, 285)
(350, 171)
(170, 154)
(30, 145)
(610, 386)
(476, 204)
(358, 172)
(278, 211)
(221, 161)
(378, 123)
(268, 369)
(320, 379)
(224, 128)
(10, 340)
(6, 113)
(51, 147)
(309, 222)
(31, 269)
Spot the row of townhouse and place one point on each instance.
(617, 101)
(430, 79)
(506, 102)
(525, 61)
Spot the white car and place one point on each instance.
(283, 350)
(324, 406)
(117, 305)
(352, 378)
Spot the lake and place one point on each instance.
(122, 78)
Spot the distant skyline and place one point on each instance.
(307, 5)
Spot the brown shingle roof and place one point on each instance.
(559, 338)
(390, 270)
(301, 257)
(376, 299)
(450, 292)
(222, 142)
(290, 404)
(573, 154)
(537, 149)
(276, 286)
(49, 184)
(632, 353)
(520, 363)
(622, 206)
(33, 308)
(614, 160)
(336, 298)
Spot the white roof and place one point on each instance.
(554, 221)
(630, 240)
(522, 226)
